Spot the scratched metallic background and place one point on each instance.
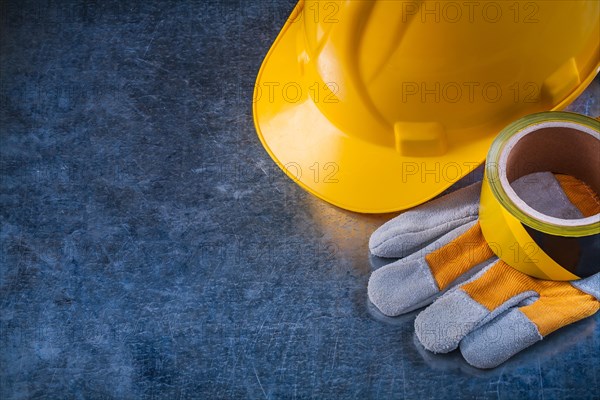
(150, 248)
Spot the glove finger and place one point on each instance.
(546, 305)
(543, 192)
(508, 334)
(416, 228)
(415, 281)
(590, 285)
(497, 341)
(442, 326)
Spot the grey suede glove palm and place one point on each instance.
(480, 304)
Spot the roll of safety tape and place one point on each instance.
(540, 245)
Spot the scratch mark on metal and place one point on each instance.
(258, 379)
(337, 336)
(152, 38)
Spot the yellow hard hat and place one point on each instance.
(378, 106)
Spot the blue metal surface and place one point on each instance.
(151, 249)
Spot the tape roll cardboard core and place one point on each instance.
(559, 147)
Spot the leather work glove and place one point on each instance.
(487, 308)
